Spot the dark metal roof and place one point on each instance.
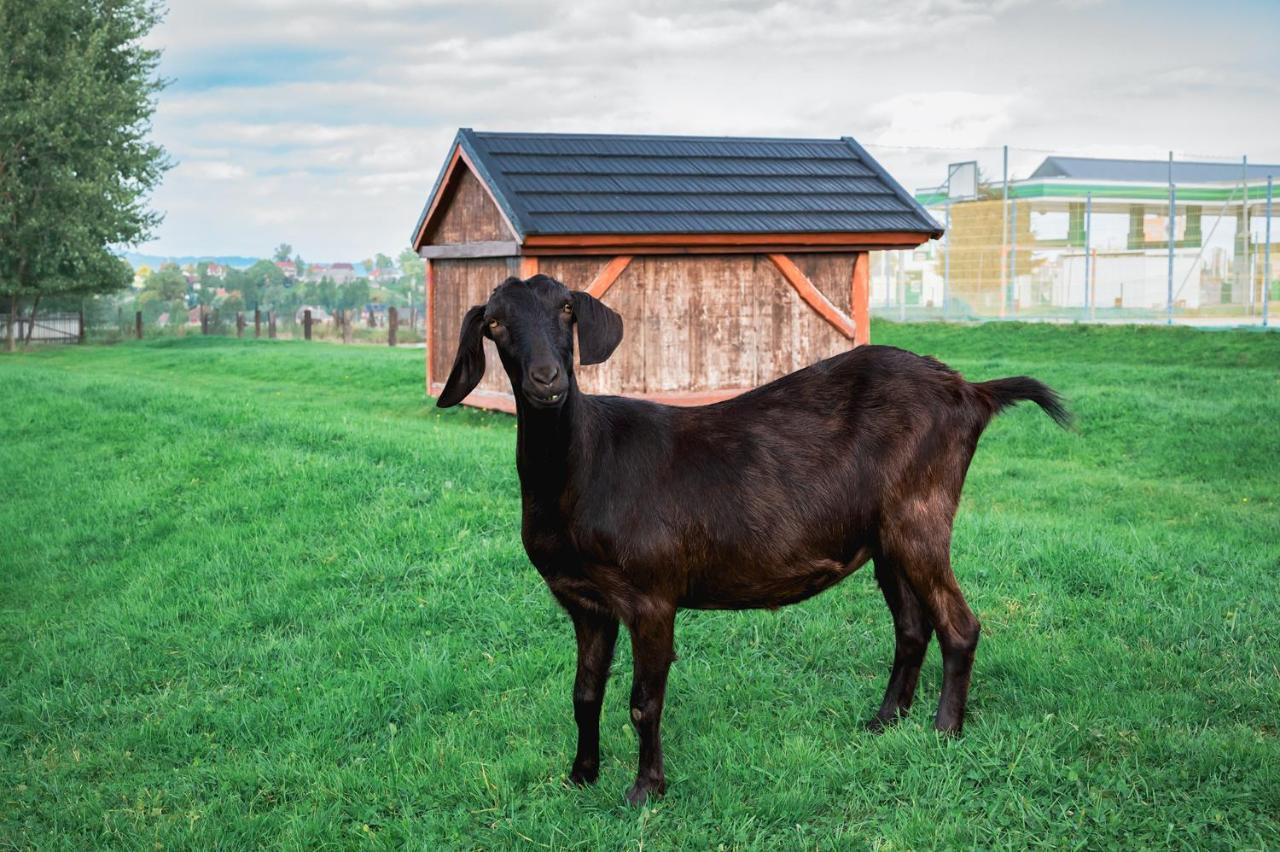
(606, 184)
(1148, 171)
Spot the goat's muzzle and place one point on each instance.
(545, 385)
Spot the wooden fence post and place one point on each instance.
(239, 323)
(393, 320)
(306, 324)
(80, 335)
(257, 323)
(204, 320)
(137, 323)
(271, 324)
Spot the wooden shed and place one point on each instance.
(732, 260)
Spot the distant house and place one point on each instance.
(287, 267)
(339, 273)
(215, 270)
(342, 273)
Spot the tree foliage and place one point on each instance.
(77, 91)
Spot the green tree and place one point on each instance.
(282, 252)
(412, 266)
(167, 283)
(77, 91)
(353, 294)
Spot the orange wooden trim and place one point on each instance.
(430, 298)
(495, 401)
(876, 238)
(860, 298)
(693, 251)
(459, 155)
(528, 267)
(813, 296)
(605, 278)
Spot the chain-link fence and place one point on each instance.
(1034, 235)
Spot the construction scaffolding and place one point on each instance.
(1089, 240)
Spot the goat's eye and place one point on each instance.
(568, 307)
(493, 323)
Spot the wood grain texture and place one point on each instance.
(812, 295)
(576, 273)
(498, 248)
(829, 273)
(459, 284)
(466, 213)
(697, 328)
(605, 278)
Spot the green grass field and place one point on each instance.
(261, 593)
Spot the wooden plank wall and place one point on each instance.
(459, 284)
(693, 322)
(470, 215)
(708, 322)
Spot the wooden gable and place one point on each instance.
(466, 213)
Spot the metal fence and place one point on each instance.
(45, 328)
(1031, 235)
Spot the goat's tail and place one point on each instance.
(1004, 393)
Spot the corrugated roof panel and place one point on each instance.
(720, 223)
(599, 184)
(693, 184)
(710, 203)
(525, 164)
(657, 146)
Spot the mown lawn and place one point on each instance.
(260, 593)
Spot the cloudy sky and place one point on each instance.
(323, 123)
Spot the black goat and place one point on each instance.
(633, 509)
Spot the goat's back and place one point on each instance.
(797, 471)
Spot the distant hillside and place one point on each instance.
(155, 261)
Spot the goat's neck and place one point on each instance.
(545, 440)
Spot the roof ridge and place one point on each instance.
(651, 136)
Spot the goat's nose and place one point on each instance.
(545, 374)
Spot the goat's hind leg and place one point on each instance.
(911, 629)
(957, 628)
(923, 550)
(597, 633)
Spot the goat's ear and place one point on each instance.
(468, 365)
(599, 328)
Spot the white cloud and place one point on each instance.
(324, 122)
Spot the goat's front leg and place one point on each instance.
(652, 646)
(597, 633)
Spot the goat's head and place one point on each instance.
(531, 323)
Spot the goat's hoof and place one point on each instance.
(878, 724)
(950, 729)
(584, 775)
(642, 793)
